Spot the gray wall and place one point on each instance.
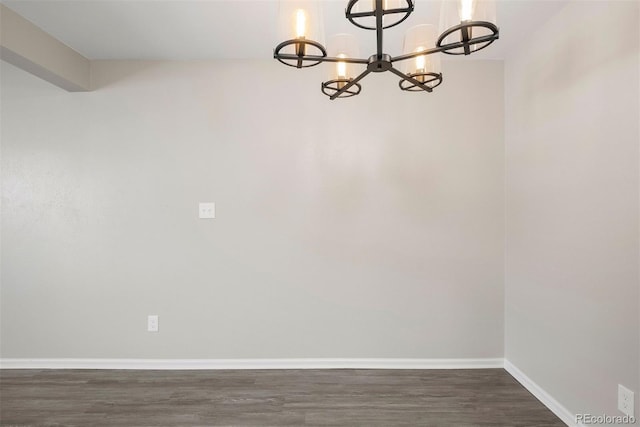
(368, 227)
(572, 139)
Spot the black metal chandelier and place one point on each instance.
(467, 26)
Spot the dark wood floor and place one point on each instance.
(349, 397)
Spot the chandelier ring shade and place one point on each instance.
(332, 87)
(432, 80)
(468, 43)
(353, 16)
(300, 61)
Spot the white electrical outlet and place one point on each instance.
(625, 400)
(207, 210)
(152, 323)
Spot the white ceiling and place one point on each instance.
(225, 29)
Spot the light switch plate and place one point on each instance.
(207, 210)
(152, 323)
(625, 400)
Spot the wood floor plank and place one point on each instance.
(342, 397)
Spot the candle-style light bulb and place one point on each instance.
(420, 61)
(301, 23)
(466, 10)
(421, 64)
(301, 29)
(341, 67)
(341, 71)
(373, 5)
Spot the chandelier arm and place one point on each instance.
(449, 46)
(420, 53)
(348, 85)
(410, 79)
(290, 56)
(347, 60)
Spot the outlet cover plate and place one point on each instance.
(625, 400)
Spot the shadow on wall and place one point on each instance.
(103, 76)
(578, 52)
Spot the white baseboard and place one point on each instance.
(251, 363)
(547, 400)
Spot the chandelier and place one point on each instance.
(466, 26)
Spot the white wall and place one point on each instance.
(368, 227)
(572, 139)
